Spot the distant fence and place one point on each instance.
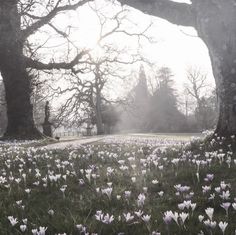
(72, 133)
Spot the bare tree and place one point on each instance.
(196, 84)
(197, 87)
(215, 24)
(86, 95)
(86, 91)
(19, 21)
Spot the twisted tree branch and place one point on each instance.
(47, 18)
(34, 64)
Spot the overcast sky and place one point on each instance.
(176, 47)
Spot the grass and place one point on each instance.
(65, 190)
(172, 136)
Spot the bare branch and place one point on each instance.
(176, 13)
(41, 21)
(196, 84)
(63, 34)
(30, 63)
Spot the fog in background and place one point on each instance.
(132, 98)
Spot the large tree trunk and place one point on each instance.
(15, 77)
(225, 74)
(216, 26)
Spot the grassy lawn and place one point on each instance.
(119, 186)
(173, 136)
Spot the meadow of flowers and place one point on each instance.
(119, 186)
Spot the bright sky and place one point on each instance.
(176, 47)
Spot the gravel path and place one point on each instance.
(74, 143)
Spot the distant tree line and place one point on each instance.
(159, 109)
(151, 106)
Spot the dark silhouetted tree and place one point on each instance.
(110, 117)
(140, 102)
(19, 20)
(164, 115)
(47, 125)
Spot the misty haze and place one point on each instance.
(118, 117)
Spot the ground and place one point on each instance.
(161, 138)
(126, 184)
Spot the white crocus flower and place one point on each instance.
(146, 218)
(218, 189)
(181, 206)
(209, 211)
(63, 188)
(155, 181)
(226, 206)
(133, 179)
(234, 205)
(107, 191)
(206, 189)
(128, 217)
(107, 219)
(12, 220)
(23, 227)
(28, 190)
(210, 224)
(168, 216)
(141, 199)
(223, 185)
(79, 226)
(42, 230)
(127, 194)
(51, 212)
(25, 221)
(99, 215)
(200, 218)
(193, 206)
(225, 195)
(34, 231)
(183, 216)
(138, 213)
(156, 233)
(175, 217)
(223, 226)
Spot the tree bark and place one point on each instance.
(216, 27)
(15, 76)
(99, 124)
(215, 24)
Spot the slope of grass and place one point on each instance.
(118, 187)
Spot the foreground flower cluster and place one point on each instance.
(118, 187)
